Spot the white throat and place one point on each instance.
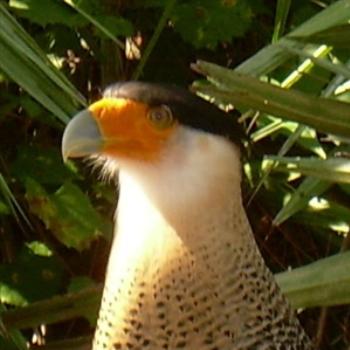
(199, 173)
(171, 203)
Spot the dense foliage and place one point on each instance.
(284, 65)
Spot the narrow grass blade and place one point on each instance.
(337, 36)
(14, 336)
(25, 63)
(267, 130)
(309, 188)
(271, 56)
(158, 30)
(281, 16)
(323, 114)
(338, 68)
(16, 209)
(96, 23)
(331, 169)
(322, 283)
(53, 310)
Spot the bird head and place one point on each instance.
(136, 120)
(161, 134)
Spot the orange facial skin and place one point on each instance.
(127, 130)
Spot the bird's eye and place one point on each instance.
(161, 117)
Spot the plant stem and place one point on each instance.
(160, 26)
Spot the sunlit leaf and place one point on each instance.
(337, 36)
(25, 63)
(275, 126)
(309, 188)
(331, 169)
(281, 15)
(274, 55)
(325, 214)
(68, 213)
(57, 309)
(39, 248)
(322, 283)
(242, 90)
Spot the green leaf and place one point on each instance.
(92, 18)
(327, 215)
(11, 202)
(338, 68)
(68, 213)
(79, 283)
(44, 165)
(4, 209)
(45, 12)
(8, 103)
(205, 23)
(337, 36)
(31, 277)
(241, 90)
(331, 169)
(10, 339)
(323, 283)
(82, 283)
(282, 11)
(8, 345)
(39, 248)
(169, 5)
(25, 63)
(272, 56)
(308, 189)
(115, 25)
(345, 188)
(56, 309)
(269, 126)
(37, 112)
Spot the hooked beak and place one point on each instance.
(82, 136)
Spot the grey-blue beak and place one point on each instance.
(82, 136)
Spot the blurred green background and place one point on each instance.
(284, 65)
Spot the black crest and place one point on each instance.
(186, 107)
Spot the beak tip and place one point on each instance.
(81, 137)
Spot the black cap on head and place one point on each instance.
(186, 107)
